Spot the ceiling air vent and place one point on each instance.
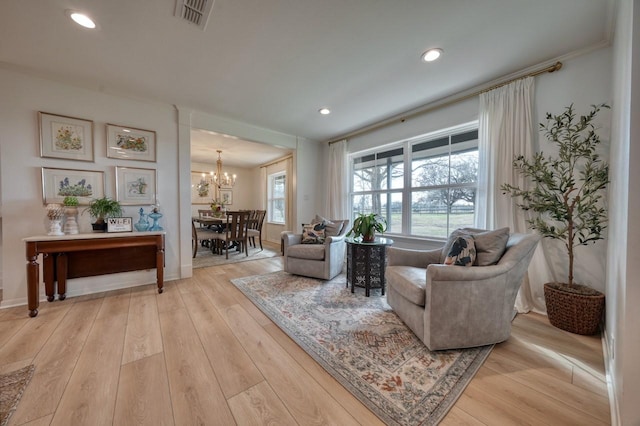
(194, 11)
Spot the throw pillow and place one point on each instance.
(462, 252)
(313, 233)
(490, 245)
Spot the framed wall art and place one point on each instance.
(128, 143)
(226, 196)
(202, 189)
(65, 137)
(59, 183)
(135, 186)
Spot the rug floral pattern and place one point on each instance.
(363, 344)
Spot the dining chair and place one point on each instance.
(235, 231)
(200, 234)
(255, 228)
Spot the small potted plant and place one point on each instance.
(102, 208)
(70, 203)
(366, 225)
(566, 199)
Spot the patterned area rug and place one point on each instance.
(363, 344)
(12, 385)
(204, 258)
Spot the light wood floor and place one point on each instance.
(202, 353)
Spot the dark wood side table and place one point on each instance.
(86, 255)
(365, 263)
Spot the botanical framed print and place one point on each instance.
(202, 189)
(65, 137)
(128, 143)
(135, 186)
(83, 184)
(226, 196)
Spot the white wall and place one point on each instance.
(23, 212)
(623, 291)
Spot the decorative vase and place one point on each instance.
(55, 228)
(55, 213)
(142, 224)
(577, 309)
(99, 227)
(70, 223)
(369, 238)
(155, 216)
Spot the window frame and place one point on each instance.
(407, 189)
(271, 179)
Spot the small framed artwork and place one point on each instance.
(65, 137)
(135, 186)
(202, 188)
(226, 195)
(128, 143)
(83, 184)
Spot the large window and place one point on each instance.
(276, 199)
(435, 196)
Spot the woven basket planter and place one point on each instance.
(578, 310)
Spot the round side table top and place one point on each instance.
(379, 241)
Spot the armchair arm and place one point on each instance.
(334, 239)
(462, 273)
(289, 238)
(415, 258)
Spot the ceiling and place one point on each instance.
(275, 63)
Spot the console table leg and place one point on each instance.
(48, 268)
(160, 269)
(33, 280)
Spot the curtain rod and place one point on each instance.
(431, 107)
(280, 160)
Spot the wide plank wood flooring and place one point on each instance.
(202, 354)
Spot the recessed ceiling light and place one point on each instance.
(431, 55)
(81, 19)
(324, 111)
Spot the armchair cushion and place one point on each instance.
(411, 282)
(307, 251)
(462, 252)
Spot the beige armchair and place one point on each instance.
(451, 307)
(323, 261)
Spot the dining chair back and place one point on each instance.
(236, 231)
(255, 228)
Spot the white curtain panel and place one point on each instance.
(289, 206)
(337, 191)
(505, 131)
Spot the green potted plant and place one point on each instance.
(102, 208)
(566, 199)
(366, 226)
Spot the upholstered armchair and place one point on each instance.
(449, 306)
(324, 260)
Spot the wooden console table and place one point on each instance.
(87, 255)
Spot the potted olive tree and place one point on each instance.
(366, 225)
(566, 199)
(102, 208)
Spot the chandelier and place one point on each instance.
(221, 179)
